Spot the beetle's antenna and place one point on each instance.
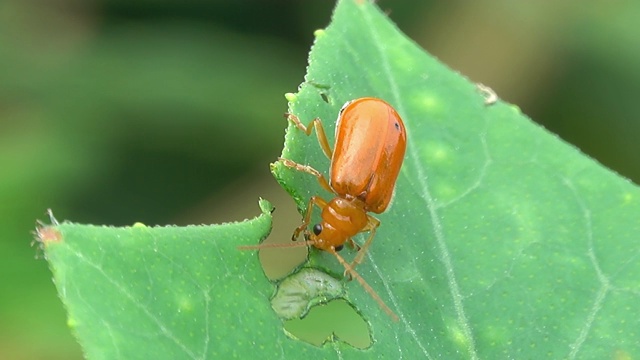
(364, 284)
(277, 245)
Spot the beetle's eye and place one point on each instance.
(339, 247)
(317, 229)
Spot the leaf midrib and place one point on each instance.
(445, 257)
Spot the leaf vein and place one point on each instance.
(430, 203)
(605, 283)
(163, 328)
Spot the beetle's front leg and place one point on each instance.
(315, 200)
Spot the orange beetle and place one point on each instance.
(369, 150)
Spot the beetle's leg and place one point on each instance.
(309, 170)
(353, 244)
(315, 200)
(317, 124)
(372, 226)
(352, 273)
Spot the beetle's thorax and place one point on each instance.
(342, 218)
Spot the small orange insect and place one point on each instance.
(369, 150)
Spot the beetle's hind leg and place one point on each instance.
(309, 170)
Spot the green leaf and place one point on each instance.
(503, 241)
(163, 292)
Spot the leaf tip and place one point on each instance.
(46, 234)
(291, 97)
(319, 33)
(266, 207)
(71, 323)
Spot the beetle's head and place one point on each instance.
(324, 236)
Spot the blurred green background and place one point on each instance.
(169, 112)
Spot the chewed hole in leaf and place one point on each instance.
(309, 301)
(335, 321)
(277, 262)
